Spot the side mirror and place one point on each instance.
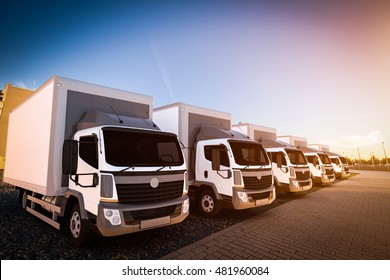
(215, 159)
(87, 180)
(70, 154)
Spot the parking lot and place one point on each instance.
(346, 220)
(349, 219)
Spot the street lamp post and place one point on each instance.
(359, 156)
(384, 150)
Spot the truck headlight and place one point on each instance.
(113, 216)
(243, 196)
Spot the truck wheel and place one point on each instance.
(209, 206)
(79, 231)
(23, 199)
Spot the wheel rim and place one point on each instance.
(207, 203)
(75, 224)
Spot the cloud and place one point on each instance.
(162, 69)
(23, 85)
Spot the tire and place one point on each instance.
(23, 199)
(208, 205)
(79, 231)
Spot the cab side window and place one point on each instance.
(88, 150)
(274, 157)
(223, 154)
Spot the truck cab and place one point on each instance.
(290, 168)
(340, 165)
(320, 165)
(232, 173)
(118, 172)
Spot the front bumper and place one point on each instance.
(298, 185)
(244, 198)
(118, 219)
(327, 178)
(345, 174)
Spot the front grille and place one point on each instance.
(258, 196)
(304, 184)
(329, 171)
(302, 175)
(144, 193)
(253, 183)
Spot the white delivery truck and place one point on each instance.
(320, 165)
(289, 165)
(339, 163)
(89, 158)
(225, 168)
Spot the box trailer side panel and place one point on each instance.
(28, 141)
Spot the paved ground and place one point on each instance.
(347, 220)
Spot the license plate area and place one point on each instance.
(155, 222)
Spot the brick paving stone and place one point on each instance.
(347, 220)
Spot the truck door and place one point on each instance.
(315, 168)
(279, 167)
(216, 168)
(87, 177)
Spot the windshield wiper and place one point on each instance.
(261, 166)
(131, 166)
(161, 168)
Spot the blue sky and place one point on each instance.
(315, 69)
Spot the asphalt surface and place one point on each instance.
(348, 220)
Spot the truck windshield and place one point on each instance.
(296, 157)
(248, 153)
(343, 160)
(130, 147)
(335, 161)
(324, 159)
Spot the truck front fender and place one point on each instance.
(74, 196)
(198, 185)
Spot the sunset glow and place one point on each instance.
(315, 69)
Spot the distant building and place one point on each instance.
(10, 97)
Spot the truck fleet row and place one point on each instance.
(93, 159)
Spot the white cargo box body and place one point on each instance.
(296, 141)
(185, 121)
(320, 147)
(38, 127)
(256, 132)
